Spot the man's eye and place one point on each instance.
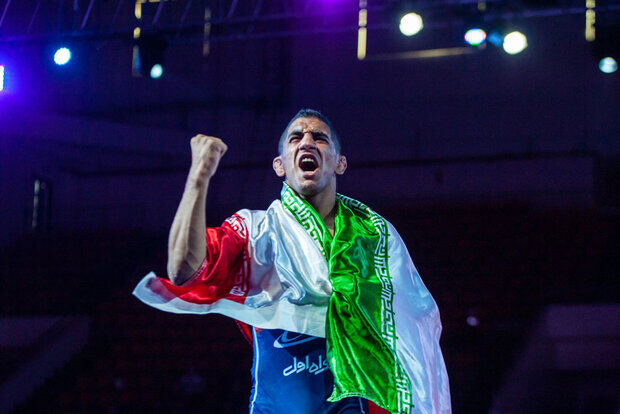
(294, 138)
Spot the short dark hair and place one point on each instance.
(310, 113)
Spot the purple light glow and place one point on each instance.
(472, 321)
(1, 78)
(328, 5)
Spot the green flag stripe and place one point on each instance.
(351, 359)
(388, 329)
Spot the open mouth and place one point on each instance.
(308, 163)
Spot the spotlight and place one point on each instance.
(514, 42)
(608, 65)
(410, 24)
(62, 56)
(156, 71)
(475, 36)
(1, 78)
(149, 56)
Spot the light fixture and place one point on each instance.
(62, 56)
(514, 42)
(475, 36)
(156, 71)
(608, 65)
(410, 24)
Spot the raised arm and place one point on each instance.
(187, 240)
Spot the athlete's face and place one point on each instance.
(309, 159)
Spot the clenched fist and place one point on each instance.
(206, 155)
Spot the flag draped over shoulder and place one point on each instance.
(282, 268)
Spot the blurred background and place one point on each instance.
(487, 132)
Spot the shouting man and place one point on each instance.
(339, 317)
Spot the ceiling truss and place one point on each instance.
(183, 21)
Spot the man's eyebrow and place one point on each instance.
(314, 133)
(320, 134)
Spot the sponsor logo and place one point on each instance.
(304, 364)
(291, 339)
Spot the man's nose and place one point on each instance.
(307, 141)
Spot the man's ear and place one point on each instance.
(341, 166)
(278, 167)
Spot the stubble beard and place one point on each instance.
(307, 189)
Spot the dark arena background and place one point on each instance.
(496, 157)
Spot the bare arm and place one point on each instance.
(187, 241)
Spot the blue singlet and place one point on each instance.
(290, 376)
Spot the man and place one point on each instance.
(314, 265)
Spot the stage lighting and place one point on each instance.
(156, 71)
(1, 78)
(608, 65)
(475, 36)
(514, 42)
(149, 57)
(410, 24)
(62, 56)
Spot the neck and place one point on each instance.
(323, 203)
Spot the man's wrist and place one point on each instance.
(197, 181)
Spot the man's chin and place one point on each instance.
(306, 188)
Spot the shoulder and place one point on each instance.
(247, 222)
(368, 213)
